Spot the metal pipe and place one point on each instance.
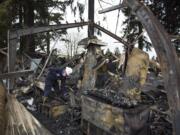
(111, 8)
(15, 74)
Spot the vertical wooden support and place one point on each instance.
(89, 77)
(91, 18)
(167, 56)
(12, 46)
(2, 109)
(48, 42)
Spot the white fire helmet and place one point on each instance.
(68, 71)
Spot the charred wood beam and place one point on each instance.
(11, 59)
(167, 56)
(111, 34)
(16, 74)
(2, 52)
(89, 76)
(33, 30)
(2, 108)
(175, 36)
(5, 48)
(100, 65)
(111, 8)
(91, 18)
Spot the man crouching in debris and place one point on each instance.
(52, 78)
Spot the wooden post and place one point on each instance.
(89, 77)
(91, 18)
(12, 46)
(2, 108)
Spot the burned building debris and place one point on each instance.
(112, 108)
(125, 94)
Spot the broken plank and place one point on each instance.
(16, 74)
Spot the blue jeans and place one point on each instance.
(49, 84)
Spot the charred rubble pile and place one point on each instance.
(144, 108)
(56, 115)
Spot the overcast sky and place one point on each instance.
(109, 23)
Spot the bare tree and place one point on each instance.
(71, 45)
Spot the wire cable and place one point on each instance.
(106, 2)
(117, 22)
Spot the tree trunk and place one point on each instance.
(28, 42)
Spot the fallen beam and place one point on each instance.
(2, 52)
(16, 74)
(33, 30)
(174, 36)
(111, 34)
(111, 8)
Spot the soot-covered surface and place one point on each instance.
(159, 122)
(67, 124)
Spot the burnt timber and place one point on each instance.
(16, 74)
(2, 108)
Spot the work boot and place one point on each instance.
(44, 99)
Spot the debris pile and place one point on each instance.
(56, 115)
(103, 94)
(64, 117)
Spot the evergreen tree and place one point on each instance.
(133, 29)
(117, 51)
(29, 13)
(167, 12)
(4, 21)
(108, 52)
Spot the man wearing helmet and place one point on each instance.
(52, 78)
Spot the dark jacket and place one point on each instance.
(55, 74)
